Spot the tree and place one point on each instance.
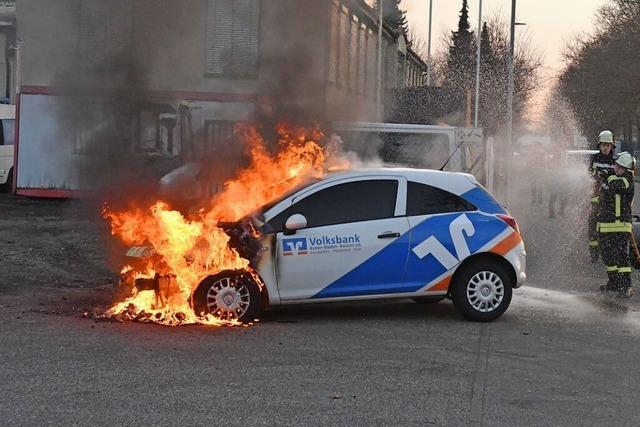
(461, 59)
(395, 17)
(601, 80)
(559, 121)
(456, 70)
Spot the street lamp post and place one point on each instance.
(379, 80)
(429, 44)
(478, 57)
(510, 100)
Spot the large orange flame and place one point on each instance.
(193, 248)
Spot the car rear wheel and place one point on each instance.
(232, 295)
(482, 291)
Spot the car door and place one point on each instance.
(356, 241)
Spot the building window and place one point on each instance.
(216, 134)
(334, 41)
(158, 131)
(232, 37)
(104, 33)
(353, 54)
(343, 70)
(362, 58)
(372, 63)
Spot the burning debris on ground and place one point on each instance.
(172, 252)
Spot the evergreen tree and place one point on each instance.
(486, 51)
(395, 17)
(462, 40)
(457, 72)
(461, 60)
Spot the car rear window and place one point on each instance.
(424, 199)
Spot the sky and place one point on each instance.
(550, 24)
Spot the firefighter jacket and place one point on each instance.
(600, 166)
(614, 207)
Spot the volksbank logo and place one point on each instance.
(294, 247)
(318, 245)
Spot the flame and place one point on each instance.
(193, 248)
(299, 157)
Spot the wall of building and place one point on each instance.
(352, 62)
(149, 55)
(166, 47)
(169, 48)
(293, 55)
(48, 31)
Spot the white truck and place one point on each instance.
(418, 146)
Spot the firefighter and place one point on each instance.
(600, 166)
(614, 225)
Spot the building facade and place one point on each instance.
(106, 79)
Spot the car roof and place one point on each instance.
(454, 182)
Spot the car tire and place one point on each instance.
(482, 291)
(230, 295)
(429, 300)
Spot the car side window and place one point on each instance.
(343, 203)
(427, 200)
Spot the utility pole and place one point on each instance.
(509, 141)
(379, 88)
(478, 57)
(429, 44)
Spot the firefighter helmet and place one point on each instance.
(605, 137)
(626, 160)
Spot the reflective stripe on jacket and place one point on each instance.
(614, 207)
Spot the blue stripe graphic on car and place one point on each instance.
(483, 201)
(364, 279)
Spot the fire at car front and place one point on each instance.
(171, 253)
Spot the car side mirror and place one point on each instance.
(294, 223)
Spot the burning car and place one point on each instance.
(373, 234)
(286, 231)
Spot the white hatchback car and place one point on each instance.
(375, 234)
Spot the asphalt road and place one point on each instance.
(561, 355)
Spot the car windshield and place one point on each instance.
(260, 211)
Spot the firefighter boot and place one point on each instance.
(627, 292)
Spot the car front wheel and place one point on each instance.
(482, 291)
(231, 295)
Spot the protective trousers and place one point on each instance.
(593, 228)
(614, 248)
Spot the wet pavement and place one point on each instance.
(563, 354)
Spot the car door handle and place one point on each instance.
(388, 235)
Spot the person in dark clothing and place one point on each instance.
(600, 166)
(559, 188)
(614, 225)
